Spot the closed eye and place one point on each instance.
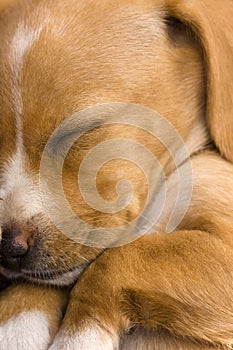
(64, 138)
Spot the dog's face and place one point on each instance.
(57, 59)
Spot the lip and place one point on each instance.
(48, 275)
(43, 276)
(9, 274)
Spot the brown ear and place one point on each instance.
(212, 21)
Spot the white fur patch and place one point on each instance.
(27, 331)
(20, 196)
(22, 42)
(90, 339)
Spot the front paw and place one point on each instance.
(92, 338)
(30, 316)
(25, 331)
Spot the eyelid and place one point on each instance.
(65, 136)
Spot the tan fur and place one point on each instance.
(178, 287)
(143, 339)
(51, 302)
(5, 3)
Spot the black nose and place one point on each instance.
(14, 247)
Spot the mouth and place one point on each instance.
(49, 277)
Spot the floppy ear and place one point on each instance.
(212, 21)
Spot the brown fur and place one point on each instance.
(179, 286)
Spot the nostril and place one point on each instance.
(12, 255)
(14, 247)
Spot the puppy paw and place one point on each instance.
(91, 338)
(30, 316)
(26, 331)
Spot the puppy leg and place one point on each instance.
(182, 282)
(30, 316)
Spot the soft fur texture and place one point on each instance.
(161, 292)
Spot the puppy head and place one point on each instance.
(58, 59)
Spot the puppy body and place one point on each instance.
(135, 52)
(37, 88)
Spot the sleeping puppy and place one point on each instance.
(160, 291)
